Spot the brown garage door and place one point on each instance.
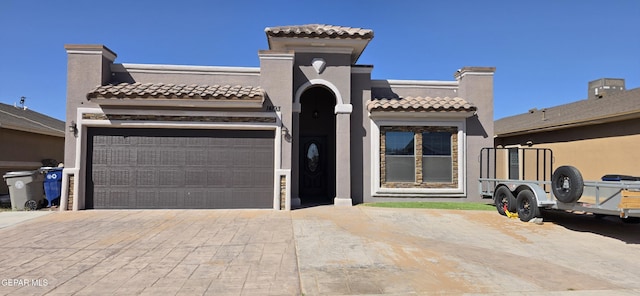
(179, 169)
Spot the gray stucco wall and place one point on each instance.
(87, 67)
(360, 139)
(476, 86)
(337, 71)
(204, 75)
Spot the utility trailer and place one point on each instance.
(523, 180)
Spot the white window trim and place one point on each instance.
(378, 191)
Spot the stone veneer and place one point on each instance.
(100, 116)
(71, 193)
(283, 192)
(419, 182)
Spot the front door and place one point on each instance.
(313, 169)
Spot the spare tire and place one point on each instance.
(567, 184)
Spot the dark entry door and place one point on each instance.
(313, 168)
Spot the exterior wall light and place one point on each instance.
(73, 128)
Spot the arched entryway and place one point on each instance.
(317, 146)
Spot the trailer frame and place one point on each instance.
(614, 198)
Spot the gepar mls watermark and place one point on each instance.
(24, 282)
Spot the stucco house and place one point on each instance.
(307, 126)
(28, 141)
(599, 135)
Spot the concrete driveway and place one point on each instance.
(316, 251)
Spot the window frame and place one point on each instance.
(377, 188)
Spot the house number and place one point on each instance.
(273, 108)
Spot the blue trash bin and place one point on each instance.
(53, 186)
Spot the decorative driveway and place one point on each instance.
(316, 251)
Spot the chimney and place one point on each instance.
(603, 87)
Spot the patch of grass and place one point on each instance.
(435, 205)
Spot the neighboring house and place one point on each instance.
(28, 140)
(309, 126)
(599, 135)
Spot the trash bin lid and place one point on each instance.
(18, 174)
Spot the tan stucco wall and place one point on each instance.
(597, 157)
(596, 150)
(26, 151)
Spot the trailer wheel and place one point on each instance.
(503, 197)
(527, 206)
(567, 184)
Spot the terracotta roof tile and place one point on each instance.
(176, 91)
(421, 104)
(585, 111)
(319, 31)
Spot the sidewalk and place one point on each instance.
(9, 218)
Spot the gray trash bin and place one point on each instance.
(26, 189)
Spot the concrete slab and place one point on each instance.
(10, 218)
(323, 250)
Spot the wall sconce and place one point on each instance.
(286, 134)
(73, 128)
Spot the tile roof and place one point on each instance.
(176, 91)
(421, 104)
(17, 118)
(319, 31)
(582, 112)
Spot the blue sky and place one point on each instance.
(545, 51)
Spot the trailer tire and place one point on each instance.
(527, 206)
(567, 184)
(502, 197)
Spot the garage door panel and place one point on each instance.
(146, 198)
(120, 178)
(171, 178)
(196, 157)
(121, 157)
(153, 168)
(195, 178)
(146, 178)
(172, 157)
(147, 157)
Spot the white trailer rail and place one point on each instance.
(526, 190)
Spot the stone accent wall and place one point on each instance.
(71, 193)
(419, 181)
(283, 192)
(100, 116)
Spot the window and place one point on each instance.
(436, 157)
(419, 157)
(514, 164)
(400, 156)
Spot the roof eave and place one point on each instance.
(53, 132)
(184, 103)
(592, 121)
(420, 114)
(356, 45)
